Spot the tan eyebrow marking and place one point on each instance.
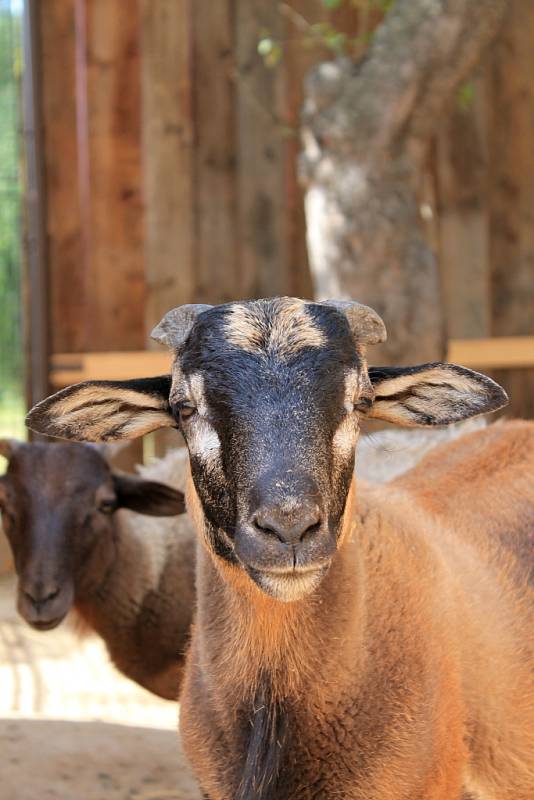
(290, 329)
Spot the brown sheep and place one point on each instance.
(129, 578)
(364, 644)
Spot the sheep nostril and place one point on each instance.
(41, 601)
(263, 528)
(288, 529)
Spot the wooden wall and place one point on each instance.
(171, 171)
(484, 175)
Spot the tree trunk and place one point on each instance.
(366, 129)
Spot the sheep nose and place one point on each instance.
(290, 527)
(40, 596)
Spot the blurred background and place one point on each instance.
(159, 152)
(149, 157)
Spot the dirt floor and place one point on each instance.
(72, 728)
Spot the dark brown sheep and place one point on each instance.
(353, 643)
(130, 578)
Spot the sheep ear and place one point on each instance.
(176, 325)
(8, 447)
(148, 497)
(100, 411)
(366, 326)
(432, 394)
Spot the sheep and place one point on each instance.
(127, 577)
(380, 457)
(368, 643)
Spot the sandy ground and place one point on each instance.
(72, 728)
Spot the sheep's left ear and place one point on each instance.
(432, 394)
(148, 497)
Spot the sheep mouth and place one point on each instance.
(47, 625)
(289, 585)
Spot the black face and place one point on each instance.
(57, 501)
(265, 395)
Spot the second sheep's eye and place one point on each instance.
(107, 506)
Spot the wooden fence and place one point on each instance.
(170, 170)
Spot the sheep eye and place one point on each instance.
(185, 411)
(363, 404)
(107, 506)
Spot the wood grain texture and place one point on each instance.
(511, 177)
(66, 267)
(462, 170)
(167, 125)
(215, 156)
(262, 198)
(109, 132)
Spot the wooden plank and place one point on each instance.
(67, 271)
(214, 101)
(298, 60)
(262, 203)
(461, 163)
(501, 352)
(511, 125)
(109, 157)
(167, 155)
(114, 366)
(109, 137)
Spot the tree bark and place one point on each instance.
(366, 128)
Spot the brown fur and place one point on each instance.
(144, 606)
(291, 331)
(127, 577)
(408, 672)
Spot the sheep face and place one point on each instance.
(265, 395)
(57, 503)
(268, 395)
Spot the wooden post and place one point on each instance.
(214, 102)
(262, 203)
(511, 130)
(167, 155)
(462, 174)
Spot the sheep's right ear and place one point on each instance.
(101, 411)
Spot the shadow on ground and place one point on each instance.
(73, 728)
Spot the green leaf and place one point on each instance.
(331, 4)
(336, 41)
(273, 57)
(466, 96)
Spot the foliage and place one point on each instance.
(11, 349)
(466, 96)
(326, 33)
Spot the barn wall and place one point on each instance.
(171, 171)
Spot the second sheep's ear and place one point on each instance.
(148, 497)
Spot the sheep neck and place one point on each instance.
(286, 649)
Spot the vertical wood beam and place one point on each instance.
(66, 266)
(462, 175)
(214, 104)
(511, 126)
(109, 140)
(167, 124)
(262, 197)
